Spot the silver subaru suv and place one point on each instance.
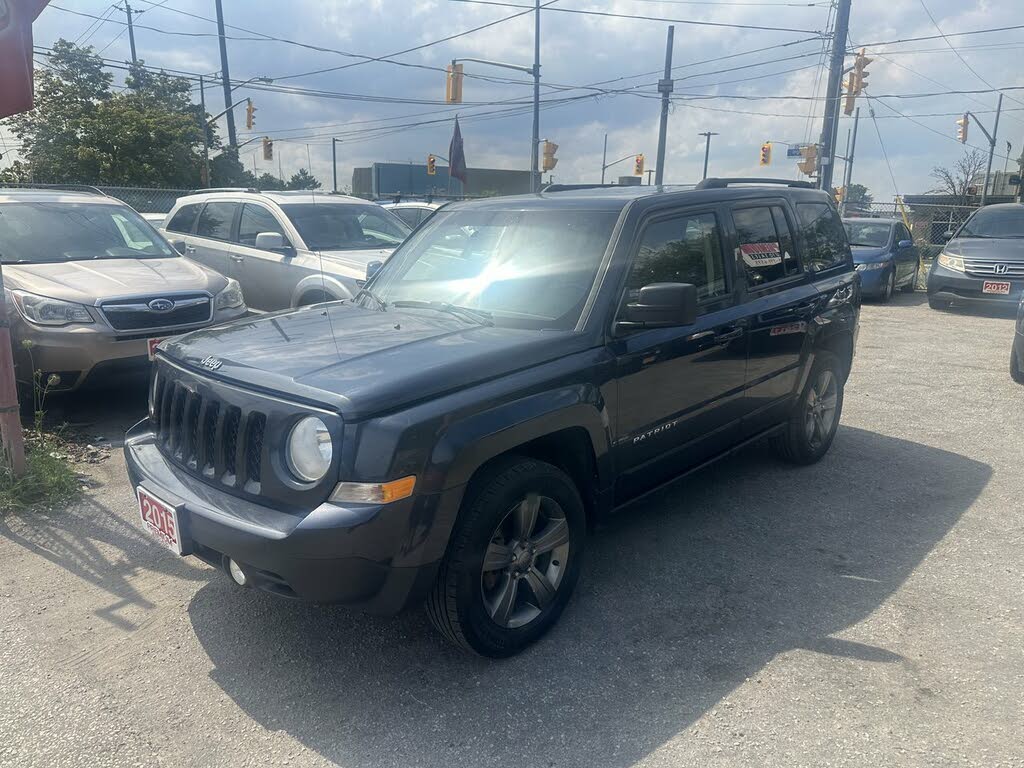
(286, 249)
(90, 287)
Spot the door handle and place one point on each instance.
(235, 257)
(725, 338)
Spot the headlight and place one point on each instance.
(872, 265)
(951, 262)
(46, 311)
(231, 296)
(309, 449)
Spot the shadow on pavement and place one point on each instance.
(683, 598)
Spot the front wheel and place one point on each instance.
(890, 285)
(937, 303)
(1015, 372)
(513, 561)
(812, 426)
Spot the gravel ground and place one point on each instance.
(866, 611)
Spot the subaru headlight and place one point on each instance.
(949, 261)
(871, 265)
(231, 297)
(43, 310)
(309, 450)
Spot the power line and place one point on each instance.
(818, 4)
(640, 17)
(892, 176)
(899, 41)
(94, 25)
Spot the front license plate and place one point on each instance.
(995, 286)
(160, 520)
(152, 347)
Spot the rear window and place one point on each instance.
(824, 236)
(336, 227)
(995, 222)
(183, 220)
(766, 245)
(216, 219)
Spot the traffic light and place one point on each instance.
(961, 127)
(638, 165)
(550, 161)
(766, 153)
(268, 149)
(857, 81)
(250, 115)
(840, 194)
(431, 165)
(453, 84)
(851, 95)
(809, 165)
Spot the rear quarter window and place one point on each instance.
(184, 219)
(825, 243)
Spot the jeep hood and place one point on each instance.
(363, 361)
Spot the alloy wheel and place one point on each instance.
(820, 409)
(525, 561)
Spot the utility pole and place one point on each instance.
(535, 143)
(131, 30)
(334, 161)
(604, 158)
(991, 148)
(707, 149)
(832, 95)
(206, 142)
(226, 76)
(851, 148)
(665, 87)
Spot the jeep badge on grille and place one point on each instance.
(211, 363)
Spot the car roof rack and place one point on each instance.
(716, 183)
(224, 189)
(66, 187)
(573, 187)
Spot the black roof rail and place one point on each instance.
(224, 189)
(572, 187)
(66, 187)
(714, 183)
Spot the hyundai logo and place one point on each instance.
(1000, 269)
(161, 305)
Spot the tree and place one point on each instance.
(857, 194)
(963, 180)
(269, 183)
(226, 171)
(303, 180)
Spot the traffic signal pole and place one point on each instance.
(848, 170)
(131, 31)
(534, 171)
(832, 95)
(225, 76)
(665, 87)
(991, 148)
(334, 161)
(707, 149)
(206, 141)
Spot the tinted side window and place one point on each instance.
(824, 236)
(410, 216)
(902, 233)
(215, 220)
(183, 220)
(766, 245)
(254, 220)
(683, 249)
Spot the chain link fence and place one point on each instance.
(142, 199)
(928, 222)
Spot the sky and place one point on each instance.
(624, 55)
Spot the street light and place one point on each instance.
(261, 79)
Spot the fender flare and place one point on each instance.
(334, 287)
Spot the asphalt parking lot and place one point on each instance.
(866, 611)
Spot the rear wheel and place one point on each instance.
(1015, 372)
(513, 561)
(812, 426)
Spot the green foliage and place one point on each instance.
(226, 171)
(269, 183)
(303, 180)
(49, 478)
(857, 194)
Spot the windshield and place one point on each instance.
(37, 233)
(995, 222)
(337, 227)
(527, 269)
(872, 234)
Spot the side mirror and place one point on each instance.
(179, 246)
(906, 243)
(947, 235)
(372, 268)
(661, 305)
(270, 241)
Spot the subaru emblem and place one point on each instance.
(211, 363)
(161, 305)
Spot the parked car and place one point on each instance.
(89, 286)
(412, 212)
(885, 255)
(518, 368)
(1017, 352)
(983, 262)
(155, 219)
(286, 249)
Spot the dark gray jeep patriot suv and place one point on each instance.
(517, 368)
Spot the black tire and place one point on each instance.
(912, 285)
(458, 606)
(890, 287)
(1015, 372)
(937, 303)
(314, 297)
(797, 444)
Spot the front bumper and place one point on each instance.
(86, 353)
(961, 288)
(382, 558)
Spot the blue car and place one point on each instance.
(885, 255)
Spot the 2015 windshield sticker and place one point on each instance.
(759, 255)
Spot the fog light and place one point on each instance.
(237, 574)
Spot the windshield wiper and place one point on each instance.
(866, 245)
(478, 316)
(383, 305)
